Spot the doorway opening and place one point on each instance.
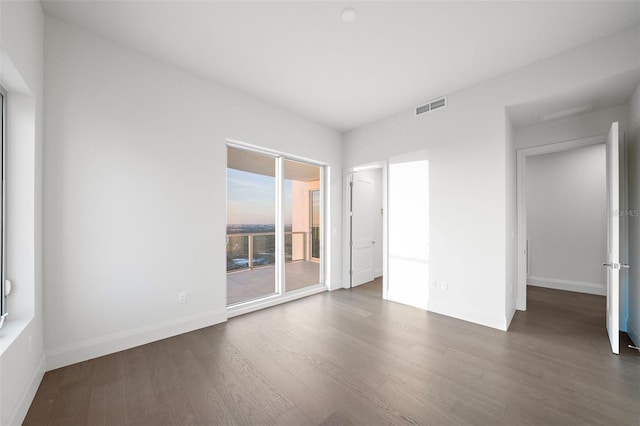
(565, 196)
(365, 224)
(399, 208)
(569, 196)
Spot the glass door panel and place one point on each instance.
(251, 219)
(302, 264)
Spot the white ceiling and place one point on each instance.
(302, 57)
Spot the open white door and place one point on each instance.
(613, 238)
(363, 209)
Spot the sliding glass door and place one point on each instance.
(251, 225)
(274, 225)
(300, 181)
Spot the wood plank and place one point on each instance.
(203, 396)
(140, 401)
(312, 404)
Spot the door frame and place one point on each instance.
(281, 295)
(520, 285)
(347, 178)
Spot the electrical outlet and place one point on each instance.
(182, 297)
(444, 285)
(434, 284)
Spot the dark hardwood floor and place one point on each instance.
(347, 357)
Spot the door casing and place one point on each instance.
(348, 175)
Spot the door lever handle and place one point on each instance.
(616, 265)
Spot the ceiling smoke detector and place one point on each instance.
(348, 15)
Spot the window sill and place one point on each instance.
(11, 329)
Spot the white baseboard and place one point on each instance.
(486, 319)
(510, 316)
(633, 330)
(567, 285)
(25, 399)
(334, 285)
(416, 302)
(104, 345)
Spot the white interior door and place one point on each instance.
(363, 209)
(613, 238)
(408, 277)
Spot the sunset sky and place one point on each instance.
(251, 198)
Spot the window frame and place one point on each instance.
(3, 192)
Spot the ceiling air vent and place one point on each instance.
(423, 108)
(432, 105)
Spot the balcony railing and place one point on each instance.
(262, 247)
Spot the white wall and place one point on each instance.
(633, 155)
(468, 153)
(566, 224)
(21, 339)
(135, 193)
